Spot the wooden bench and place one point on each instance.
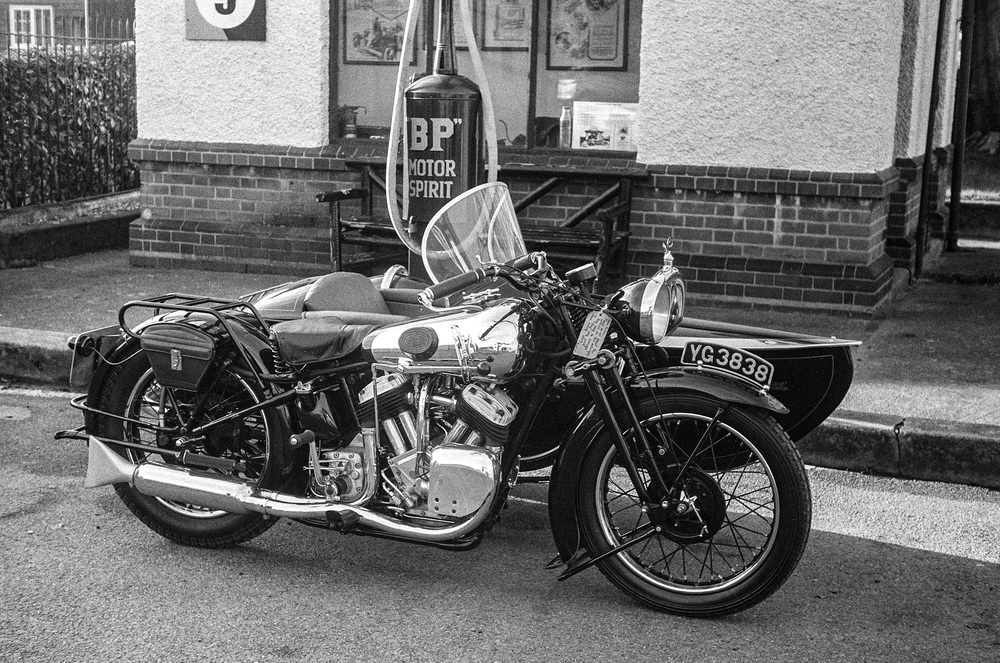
(568, 244)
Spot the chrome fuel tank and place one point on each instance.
(485, 343)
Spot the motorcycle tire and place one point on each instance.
(748, 503)
(133, 391)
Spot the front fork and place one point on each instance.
(604, 371)
(601, 374)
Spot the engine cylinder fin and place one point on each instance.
(392, 399)
(489, 413)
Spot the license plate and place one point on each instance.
(591, 338)
(731, 361)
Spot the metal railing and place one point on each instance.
(67, 114)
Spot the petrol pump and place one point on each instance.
(438, 121)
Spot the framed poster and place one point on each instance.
(604, 126)
(506, 25)
(373, 31)
(588, 34)
(230, 20)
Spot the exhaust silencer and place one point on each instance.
(214, 491)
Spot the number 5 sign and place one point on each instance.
(233, 20)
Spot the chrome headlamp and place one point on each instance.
(650, 309)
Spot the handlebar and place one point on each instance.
(471, 278)
(456, 283)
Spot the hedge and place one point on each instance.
(66, 117)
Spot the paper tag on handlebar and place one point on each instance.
(591, 338)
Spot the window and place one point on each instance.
(30, 24)
(539, 56)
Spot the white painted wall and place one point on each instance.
(770, 83)
(272, 92)
(949, 79)
(923, 76)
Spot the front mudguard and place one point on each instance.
(564, 483)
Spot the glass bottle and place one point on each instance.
(566, 128)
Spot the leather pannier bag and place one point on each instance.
(179, 354)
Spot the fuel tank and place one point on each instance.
(485, 343)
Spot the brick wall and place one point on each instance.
(770, 237)
(761, 237)
(904, 206)
(237, 207)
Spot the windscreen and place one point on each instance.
(478, 227)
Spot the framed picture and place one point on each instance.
(373, 31)
(506, 25)
(588, 34)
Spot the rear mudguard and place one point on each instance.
(564, 482)
(255, 347)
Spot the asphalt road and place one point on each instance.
(894, 571)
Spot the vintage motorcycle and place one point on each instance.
(389, 408)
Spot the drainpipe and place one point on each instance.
(958, 127)
(86, 22)
(925, 181)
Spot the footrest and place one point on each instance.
(342, 522)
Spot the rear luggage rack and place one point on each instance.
(221, 309)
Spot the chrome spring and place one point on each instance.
(280, 365)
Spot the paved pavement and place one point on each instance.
(925, 403)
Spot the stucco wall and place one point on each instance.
(272, 92)
(919, 70)
(775, 83)
(949, 75)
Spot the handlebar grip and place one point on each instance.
(342, 194)
(455, 283)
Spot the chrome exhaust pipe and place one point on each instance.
(105, 467)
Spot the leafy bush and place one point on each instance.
(66, 119)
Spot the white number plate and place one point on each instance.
(735, 362)
(591, 338)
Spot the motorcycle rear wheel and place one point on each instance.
(133, 391)
(749, 523)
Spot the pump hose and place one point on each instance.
(397, 115)
(489, 119)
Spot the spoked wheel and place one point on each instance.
(134, 392)
(728, 529)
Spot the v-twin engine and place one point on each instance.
(452, 476)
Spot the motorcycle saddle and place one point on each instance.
(351, 297)
(325, 338)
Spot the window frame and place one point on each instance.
(33, 36)
(535, 136)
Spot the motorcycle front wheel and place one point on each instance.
(732, 531)
(132, 391)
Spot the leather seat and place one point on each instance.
(339, 310)
(324, 338)
(344, 291)
(351, 297)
